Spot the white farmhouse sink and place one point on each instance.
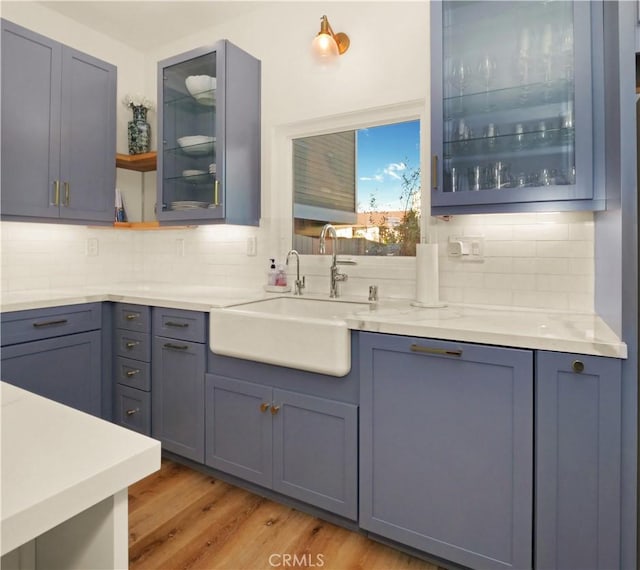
(298, 332)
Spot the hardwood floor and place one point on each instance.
(181, 518)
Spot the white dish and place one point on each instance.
(188, 205)
(196, 175)
(197, 84)
(202, 88)
(207, 98)
(197, 144)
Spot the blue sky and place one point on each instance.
(384, 153)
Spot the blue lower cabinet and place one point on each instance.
(446, 448)
(578, 462)
(315, 450)
(66, 369)
(238, 428)
(302, 446)
(177, 396)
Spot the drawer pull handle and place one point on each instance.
(176, 346)
(132, 344)
(67, 194)
(577, 366)
(131, 373)
(275, 410)
(441, 351)
(50, 323)
(131, 316)
(177, 325)
(264, 407)
(132, 412)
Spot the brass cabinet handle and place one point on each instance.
(56, 192)
(67, 194)
(434, 172)
(577, 366)
(431, 350)
(275, 410)
(177, 325)
(176, 346)
(50, 323)
(131, 373)
(132, 344)
(132, 316)
(132, 411)
(216, 193)
(264, 407)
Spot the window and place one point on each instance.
(365, 182)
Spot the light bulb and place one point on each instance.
(324, 47)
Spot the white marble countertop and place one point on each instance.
(58, 462)
(520, 328)
(504, 326)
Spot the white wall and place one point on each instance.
(530, 259)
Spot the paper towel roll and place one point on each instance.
(427, 282)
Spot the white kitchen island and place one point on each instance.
(64, 477)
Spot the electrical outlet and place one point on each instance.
(91, 247)
(466, 248)
(180, 247)
(252, 246)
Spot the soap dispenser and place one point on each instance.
(273, 273)
(281, 277)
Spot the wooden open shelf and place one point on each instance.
(139, 162)
(154, 225)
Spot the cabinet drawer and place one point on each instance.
(132, 317)
(25, 326)
(133, 373)
(131, 344)
(173, 323)
(133, 409)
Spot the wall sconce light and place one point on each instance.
(327, 44)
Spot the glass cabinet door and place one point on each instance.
(511, 104)
(188, 127)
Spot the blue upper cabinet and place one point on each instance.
(58, 130)
(209, 136)
(516, 101)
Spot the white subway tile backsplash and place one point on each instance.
(531, 260)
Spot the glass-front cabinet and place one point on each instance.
(209, 136)
(515, 106)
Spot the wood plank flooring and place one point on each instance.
(182, 519)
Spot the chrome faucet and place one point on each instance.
(336, 276)
(299, 285)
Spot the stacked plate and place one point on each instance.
(196, 176)
(197, 144)
(188, 205)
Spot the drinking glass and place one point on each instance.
(459, 76)
(486, 71)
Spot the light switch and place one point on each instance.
(91, 247)
(252, 246)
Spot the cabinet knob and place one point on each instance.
(264, 407)
(275, 410)
(577, 366)
(133, 411)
